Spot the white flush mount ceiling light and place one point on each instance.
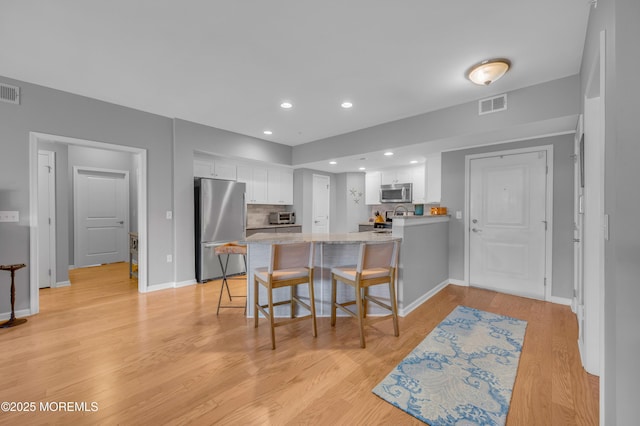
(362, 168)
(486, 72)
(388, 153)
(413, 162)
(333, 162)
(286, 105)
(346, 105)
(268, 132)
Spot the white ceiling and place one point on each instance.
(229, 64)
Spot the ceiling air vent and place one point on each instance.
(9, 94)
(494, 104)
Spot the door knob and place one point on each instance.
(475, 221)
(121, 222)
(476, 230)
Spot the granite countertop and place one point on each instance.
(338, 238)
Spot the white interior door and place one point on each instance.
(46, 219)
(321, 204)
(507, 228)
(101, 207)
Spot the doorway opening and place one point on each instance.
(139, 160)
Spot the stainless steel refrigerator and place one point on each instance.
(219, 218)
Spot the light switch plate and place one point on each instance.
(169, 214)
(458, 214)
(9, 216)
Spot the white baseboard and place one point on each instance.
(428, 295)
(63, 284)
(19, 314)
(458, 282)
(185, 283)
(561, 300)
(162, 286)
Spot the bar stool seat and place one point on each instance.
(228, 249)
(13, 321)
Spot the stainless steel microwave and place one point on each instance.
(396, 193)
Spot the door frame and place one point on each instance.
(51, 190)
(549, 210)
(314, 198)
(77, 170)
(140, 156)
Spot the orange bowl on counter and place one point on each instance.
(438, 211)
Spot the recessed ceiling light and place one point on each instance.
(286, 105)
(346, 105)
(388, 153)
(333, 162)
(413, 161)
(268, 132)
(362, 168)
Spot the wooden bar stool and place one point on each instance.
(229, 249)
(13, 321)
(290, 265)
(377, 264)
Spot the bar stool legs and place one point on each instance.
(229, 249)
(13, 321)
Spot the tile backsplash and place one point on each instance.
(258, 214)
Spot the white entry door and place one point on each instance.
(507, 223)
(46, 219)
(321, 204)
(101, 208)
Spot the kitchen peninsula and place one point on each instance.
(423, 264)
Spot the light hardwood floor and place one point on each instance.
(166, 358)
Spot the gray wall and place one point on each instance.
(190, 137)
(619, 20)
(461, 125)
(59, 113)
(453, 170)
(350, 209)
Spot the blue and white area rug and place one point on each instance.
(462, 373)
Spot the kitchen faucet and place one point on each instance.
(395, 211)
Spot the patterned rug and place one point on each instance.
(462, 373)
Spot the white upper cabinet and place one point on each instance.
(372, 183)
(280, 186)
(214, 168)
(392, 176)
(256, 180)
(418, 180)
(434, 178)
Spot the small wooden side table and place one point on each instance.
(13, 321)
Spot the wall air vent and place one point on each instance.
(494, 104)
(9, 94)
